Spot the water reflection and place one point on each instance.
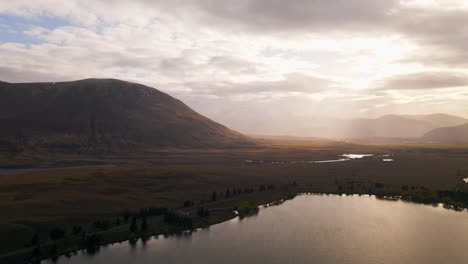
(340, 158)
(357, 156)
(311, 229)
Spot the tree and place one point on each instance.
(53, 251)
(144, 224)
(57, 233)
(35, 240)
(126, 216)
(76, 230)
(92, 243)
(37, 252)
(102, 225)
(177, 219)
(133, 225)
(203, 212)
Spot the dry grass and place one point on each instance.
(38, 201)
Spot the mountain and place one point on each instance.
(454, 134)
(439, 120)
(398, 126)
(322, 126)
(103, 115)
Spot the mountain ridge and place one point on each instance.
(399, 126)
(103, 115)
(452, 134)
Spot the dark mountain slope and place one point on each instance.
(104, 115)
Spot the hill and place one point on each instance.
(103, 115)
(455, 134)
(399, 126)
(439, 120)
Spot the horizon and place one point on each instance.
(253, 66)
(372, 117)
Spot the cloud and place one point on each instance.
(294, 15)
(12, 74)
(425, 80)
(291, 85)
(441, 32)
(256, 58)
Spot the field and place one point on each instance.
(38, 201)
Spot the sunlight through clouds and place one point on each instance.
(350, 56)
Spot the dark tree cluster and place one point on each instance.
(379, 185)
(144, 224)
(261, 188)
(248, 190)
(102, 224)
(188, 203)
(92, 243)
(35, 240)
(234, 191)
(153, 211)
(133, 225)
(57, 233)
(126, 216)
(77, 229)
(173, 218)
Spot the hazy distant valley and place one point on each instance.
(418, 128)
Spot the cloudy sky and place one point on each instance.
(254, 65)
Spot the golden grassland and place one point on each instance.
(36, 202)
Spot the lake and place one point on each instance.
(311, 229)
(341, 158)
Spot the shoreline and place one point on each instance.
(220, 211)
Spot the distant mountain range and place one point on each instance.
(103, 115)
(392, 127)
(109, 115)
(452, 135)
(399, 126)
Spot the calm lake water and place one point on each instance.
(311, 229)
